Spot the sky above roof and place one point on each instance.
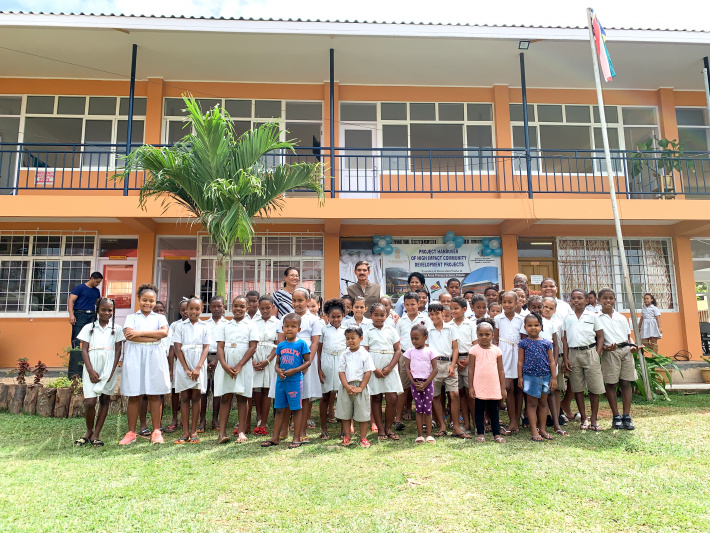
(680, 15)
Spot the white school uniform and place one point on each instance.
(380, 343)
(102, 353)
(563, 310)
(310, 327)
(212, 326)
(192, 338)
(266, 331)
(508, 338)
(236, 337)
(145, 368)
(649, 327)
(580, 331)
(389, 321)
(466, 335)
(404, 329)
(366, 323)
(333, 340)
(441, 342)
(169, 341)
(596, 309)
(616, 327)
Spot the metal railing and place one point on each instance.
(366, 172)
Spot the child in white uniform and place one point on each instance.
(331, 345)
(100, 350)
(358, 319)
(236, 345)
(172, 361)
(506, 336)
(192, 342)
(466, 335)
(145, 369)
(217, 320)
(383, 344)
(650, 325)
(266, 326)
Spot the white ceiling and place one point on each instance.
(561, 61)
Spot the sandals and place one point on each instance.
(145, 433)
(499, 439)
(324, 435)
(97, 443)
(171, 428)
(345, 442)
(223, 440)
(440, 433)
(419, 440)
(365, 443)
(215, 427)
(595, 427)
(381, 437)
(398, 426)
(507, 432)
(562, 432)
(80, 441)
(537, 438)
(242, 438)
(181, 440)
(392, 436)
(461, 435)
(480, 438)
(200, 430)
(294, 445)
(269, 444)
(332, 421)
(585, 425)
(430, 440)
(193, 440)
(310, 424)
(547, 436)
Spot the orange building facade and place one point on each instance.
(426, 136)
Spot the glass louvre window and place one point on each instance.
(263, 266)
(566, 138)
(593, 264)
(694, 135)
(63, 122)
(37, 272)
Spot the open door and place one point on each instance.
(119, 284)
(359, 174)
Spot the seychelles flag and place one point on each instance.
(435, 287)
(602, 52)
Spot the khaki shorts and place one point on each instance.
(356, 407)
(586, 371)
(618, 364)
(404, 378)
(442, 378)
(463, 374)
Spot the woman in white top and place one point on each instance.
(266, 327)
(145, 369)
(236, 345)
(383, 344)
(310, 332)
(100, 350)
(331, 345)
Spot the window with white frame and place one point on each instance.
(300, 121)
(262, 267)
(98, 122)
(10, 113)
(568, 134)
(38, 271)
(694, 135)
(592, 264)
(460, 134)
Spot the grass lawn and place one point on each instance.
(651, 479)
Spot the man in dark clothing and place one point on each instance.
(82, 305)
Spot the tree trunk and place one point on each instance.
(221, 275)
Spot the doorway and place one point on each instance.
(119, 285)
(359, 175)
(176, 272)
(537, 270)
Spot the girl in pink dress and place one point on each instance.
(487, 379)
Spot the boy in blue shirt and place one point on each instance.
(292, 358)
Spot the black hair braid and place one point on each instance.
(113, 317)
(97, 303)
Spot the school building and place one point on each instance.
(420, 129)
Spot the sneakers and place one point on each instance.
(156, 437)
(618, 422)
(627, 422)
(130, 438)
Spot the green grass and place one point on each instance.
(651, 479)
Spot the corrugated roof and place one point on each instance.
(328, 21)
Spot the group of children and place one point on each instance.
(488, 352)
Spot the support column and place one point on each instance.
(328, 127)
(687, 303)
(331, 259)
(669, 130)
(509, 260)
(146, 259)
(503, 137)
(154, 111)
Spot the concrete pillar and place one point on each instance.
(687, 303)
(509, 260)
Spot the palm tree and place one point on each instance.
(222, 180)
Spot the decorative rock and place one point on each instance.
(76, 405)
(29, 406)
(3, 396)
(62, 401)
(45, 401)
(17, 398)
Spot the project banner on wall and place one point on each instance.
(438, 264)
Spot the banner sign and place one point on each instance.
(44, 176)
(438, 264)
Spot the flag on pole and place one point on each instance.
(602, 52)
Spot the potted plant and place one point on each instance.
(63, 395)
(706, 371)
(19, 390)
(655, 165)
(659, 370)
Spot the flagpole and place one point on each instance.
(614, 207)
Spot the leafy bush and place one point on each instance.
(656, 366)
(39, 371)
(22, 369)
(63, 381)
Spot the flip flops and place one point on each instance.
(97, 443)
(365, 443)
(268, 444)
(419, 440)
(80, 441)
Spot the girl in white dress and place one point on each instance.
(145, 369)
(236, 345)
(332, 344)
(266, 326)
(182, 309)
(100, 350)
(383, 344)
(650, 325)
(310, 332)
(192, 342)
(358, 318)
(506, 336)
(166, 346)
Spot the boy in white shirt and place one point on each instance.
(618, 365)
(411, 317)
(443, 340)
